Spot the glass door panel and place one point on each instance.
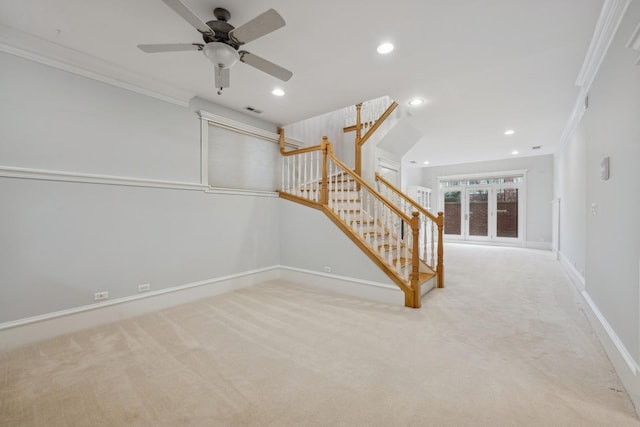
(507, 212)
(478, 212)
(453, 213)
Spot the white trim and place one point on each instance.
(543, 246)
(242, 192)
(483, 175)
(374, 291)
(622, 350)
(245, 129)
(25, 331)
(52, 175)
(204, 151)
(576, 277)
(610, 18)
(624, 364)
(622, 361)
(388, 163)
(29, 330)
(45, 52)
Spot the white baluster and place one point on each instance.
(361, 205)
(433, 239)
(289, 177)
(319, 172)
(399, 243)
(388, 228)
(408, 242)
(375, 224)
(305, 176)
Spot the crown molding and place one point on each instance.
(43, 51)
(608, 23)
(634, 42)
(610, 18)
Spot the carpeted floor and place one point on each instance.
(505, 344)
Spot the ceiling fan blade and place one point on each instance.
(257, 27)
(221, 77)
(265, 66)
(186, 13)
(176, 47)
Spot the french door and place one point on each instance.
(492, 213)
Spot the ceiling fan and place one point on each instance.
(222, 41)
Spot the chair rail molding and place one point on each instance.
(87, 178)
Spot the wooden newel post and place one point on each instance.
(440, 265)
(324, 194)
(281, 133)
(415, 260)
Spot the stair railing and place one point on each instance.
(314, 176)
(370, 125)
(431, 227)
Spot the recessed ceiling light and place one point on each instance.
(426, 162)
(416, 101)
(385, 48)
(514, 152)
(509, 132)
(278, 92)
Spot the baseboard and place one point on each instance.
(576, 277)
(622, 361)
(545, 246)
(26, 331)
(373, 291)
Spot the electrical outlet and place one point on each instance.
(326, 269)
(100, 295)
(144, 288)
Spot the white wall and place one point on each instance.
(571, 189)
(310, 241)
(63, 241)
(613, 233)
(52, 119)
(539, 188)
(600, 231)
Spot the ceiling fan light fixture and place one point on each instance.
(222, 55)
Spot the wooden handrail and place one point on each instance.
(364, 184)
(359, 126)
(415, 204)
(297, 151)
(378, 122)
(439, 220)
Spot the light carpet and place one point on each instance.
(504, 344)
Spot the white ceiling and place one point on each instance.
(482, 66)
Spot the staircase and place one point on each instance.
(400, 237)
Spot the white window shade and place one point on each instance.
(242, 161)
